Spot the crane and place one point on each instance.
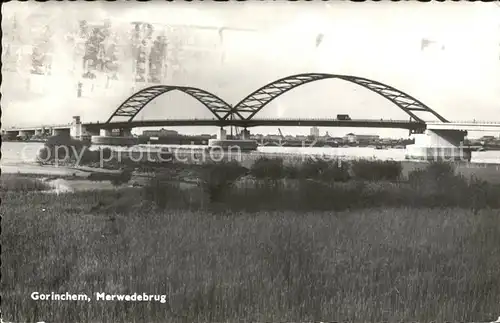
(281, 134)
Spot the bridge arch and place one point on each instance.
(258, 99)
(137, 101)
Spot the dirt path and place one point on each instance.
(49, 170)
(44, 171)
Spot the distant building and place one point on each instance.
(273, 137)
(257, 136)
(160, 133)
(314, 132)
(337, 139)
(487, 138)
(353, 138)
(350, 137)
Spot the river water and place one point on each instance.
(21, 153)
(19, 157)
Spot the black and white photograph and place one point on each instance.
(250, 161)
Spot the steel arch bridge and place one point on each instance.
(137, 101)
(247, 108)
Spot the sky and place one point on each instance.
(447, 55)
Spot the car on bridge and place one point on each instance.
(343, 117)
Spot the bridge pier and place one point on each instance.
(61, 132)
(439, 145)
(9, 135)
(223, 143)
(105, 133)
(92, 132)
(126, 132)
(77, 130)
(106, 137)
(26, 134)
(245, 134)
(221, 134)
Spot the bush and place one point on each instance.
(313, 195)
(437, 173)
(16, 183)
(64, 140)
(438, 185)
(335, 170)
(483, 195)
(106, 153)
(67, 149)
(218, 178)
(165, 193)
(95, 156)
(268, 168)
(374, 170)
(157, 190)
(63, 147)
(89, 156)
(441, 170)
(43, 154)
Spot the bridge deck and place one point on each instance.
(465, 125)
(403, 124)
(320, 122)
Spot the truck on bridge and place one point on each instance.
(343, 117)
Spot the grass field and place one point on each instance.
(397, 264)
(371, 251)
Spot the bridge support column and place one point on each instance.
(25, 134)
(126, 132)
(77, 130)
(60, 132)
(105, 133)
(10, 134)
(106, 138)
(92, 132)
(439, 145)
(221, 135)
(245, 134)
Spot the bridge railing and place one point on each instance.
(275, 119)
(14, 128)
(38, 127)
(476, 122)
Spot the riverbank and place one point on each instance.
(271, 184)
(486, 172)
(64, 179)
(18, 152)
(46, 170)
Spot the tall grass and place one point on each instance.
(382, 264)
(318, 169)
(323, 186)
(316, 249)
(20, 184)
(373, 170)
(268, 168)
(327, 170)
(217, 179)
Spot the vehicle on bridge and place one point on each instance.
(343, 117)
